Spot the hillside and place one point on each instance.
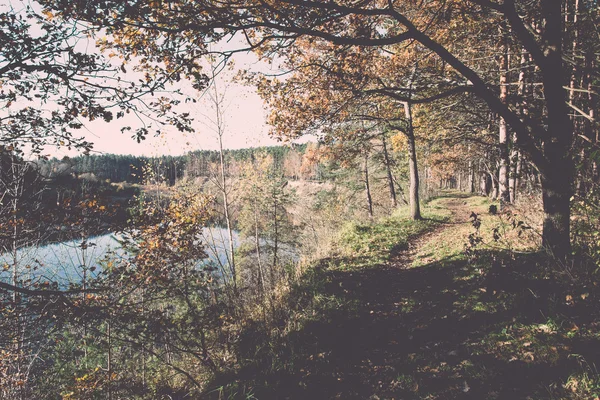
(426, 224)
(404, 312)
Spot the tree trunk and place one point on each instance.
(557, 180)
(495, 192)
(574, 49)
(556, 192)
(516, 161)
(109, 364)
(415, 208)
(523, 93)
(557, 173)
(591, 129)
(261, 275)
(503, 173)
(217, 102)
(483, 184)
(368, 187)
(388, 169)
(275, 240)
(471, 177)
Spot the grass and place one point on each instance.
(500, 325)
(449, 246)
(369, 245)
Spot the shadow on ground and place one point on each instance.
(448, 330)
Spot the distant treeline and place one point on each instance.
(38, 208)
(170, 169)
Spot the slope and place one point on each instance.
(404, 312)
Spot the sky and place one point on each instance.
(244, 117)
(244, 120)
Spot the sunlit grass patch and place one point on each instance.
(585, 384)
(371, 244)
(498, 230)
(449, 246)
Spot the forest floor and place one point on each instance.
(414, 316)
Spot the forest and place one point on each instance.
(167, 169)
(436, 234)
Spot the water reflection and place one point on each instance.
(69, 261)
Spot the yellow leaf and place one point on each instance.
(48, 14)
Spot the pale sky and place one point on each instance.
(244, 118)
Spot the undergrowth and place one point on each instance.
(477, 319)
(372, 244)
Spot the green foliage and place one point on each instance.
(76, 367)
(375, 242)
(586, 226)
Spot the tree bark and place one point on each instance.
(523, 108)
(388, 169)
(218, 99)
(368, 187)
(574, 49)
(275, 238)
(556, 192)
(516, 161)
(415, 207)
(591, 129)
(471, 177)
(557, 173)
(503, 172)
(494, 194)
(261, 275)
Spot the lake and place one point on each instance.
(64, 262)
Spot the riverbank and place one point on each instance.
(405, 312)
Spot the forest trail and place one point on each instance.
(403, 320)
(387, 325)
(428, 324)
(458, 222)
(404, 316)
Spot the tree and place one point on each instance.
(538, 26)
(292, 163)
(326, 92)
(504, 174)
(265, 219)
(20, 220)
(158, 303)
(49, 86)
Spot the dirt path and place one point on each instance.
(459, 215)
(389, 317)
(427, 325)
